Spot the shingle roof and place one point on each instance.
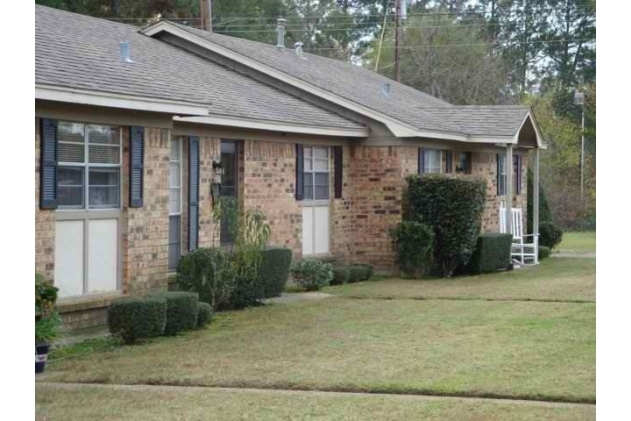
(82, 52)
(364, 86)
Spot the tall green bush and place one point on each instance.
(549, 235)
(208, 272)
(453, 208)
(274, 270)
(413, 244)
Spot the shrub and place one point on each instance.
(209, 273)
(544, 252)
(340, 275)
(274, 270)
(549, 235)
(312, 274)
(359, 272)
(181, 311)
(492, 252)
(204, 314)
(545, 214)
(45, 296)
(413, 245)
(137, 318)
(453, 208)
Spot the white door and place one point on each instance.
(316, 206)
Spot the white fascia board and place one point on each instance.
(107, 99)
(274, 126)
(491, 139)
(397, 127)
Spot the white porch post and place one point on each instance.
(509, 188)
(535, 204)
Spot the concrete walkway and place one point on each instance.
(296, 297)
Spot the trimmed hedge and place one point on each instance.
(137, 318)
(312, 274)
(453, 208)
(204, 314)
(549, 235)
(413, 245)
(492, 252)
(544, 252)
(340, 275)
(274, 270)
(208, 272)
(181, 310)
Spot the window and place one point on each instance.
(316, 173)
(175, 203)
(431, 161)
(464, 163)
(501, 174)
(89, 166)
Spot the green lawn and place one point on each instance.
(478, 348)
(85, 402)
(582, 242)
(563, 279)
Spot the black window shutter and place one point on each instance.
(300, 175)
(449, 159)
(136, 165)
(518, 174)
(48, 165)
(499, 190)
(193, 193)
(421, 161)
(338, 156)
(468, 163)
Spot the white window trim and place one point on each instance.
(181, 161)
(86, 165)
(501, 171)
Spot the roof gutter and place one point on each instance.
(397, 127)
(218, 120)
(114, 100)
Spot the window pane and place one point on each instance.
(104, 154)
(104, 176)
(70, 132)
(103, 134)
(308, 165)
(308, 192)
(308, 152)
(321, 153)
(175, 241)
(174, 174)
(308, 179)
(70, 196)
(321, 192)
(70, 152)
(322, 164)
(68, 176)
(322, 179)
(175, 149)
(104, 197)
(174, 201)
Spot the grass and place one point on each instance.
(471, 348)
(556, 279)
(578, 242)
(70, 403)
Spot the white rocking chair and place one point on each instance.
(521, 250)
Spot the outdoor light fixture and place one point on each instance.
(215, 186)
(218, 168)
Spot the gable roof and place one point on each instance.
(406, 111)
(79, 54)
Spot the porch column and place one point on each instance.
(535, 194)
(509, 188)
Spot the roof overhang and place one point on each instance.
(229, 121)
(397, 127)
(114, 100)
(529, 116)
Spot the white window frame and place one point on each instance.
(426, 167)
(313, 171)
(86, 165)
(180, 163)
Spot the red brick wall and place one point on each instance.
(342, 232)
(44, 223)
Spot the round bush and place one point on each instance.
(544, 252)
(274, 270)
(312, 274)
(204, 314)
(549, 235)
(137, 318)
(340, 275)
(182, 311)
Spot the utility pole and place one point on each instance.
(206, 14)
(579, 99)
(397, 40)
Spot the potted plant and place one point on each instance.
(47, 321)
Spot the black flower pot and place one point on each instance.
(41, 354)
